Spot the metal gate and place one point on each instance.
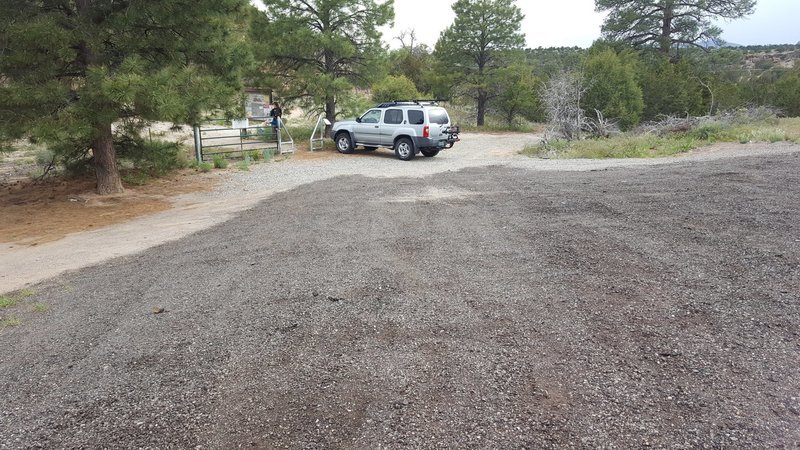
(241, 141)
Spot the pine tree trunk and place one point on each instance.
(665, 40)
(482, 109)
(105, 162)
(330, 113)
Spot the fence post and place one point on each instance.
(278, 134)
(198, 145)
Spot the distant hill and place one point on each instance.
(786, 59)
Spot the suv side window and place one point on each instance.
(372, 116)
(393, 116)
(416, 117)
(438, 115)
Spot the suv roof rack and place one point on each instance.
(410, 102)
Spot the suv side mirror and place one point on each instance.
(358, 119)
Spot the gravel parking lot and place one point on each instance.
(479, 299)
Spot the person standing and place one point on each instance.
(276, 115)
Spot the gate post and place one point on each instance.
(278, 135)
(198, 144)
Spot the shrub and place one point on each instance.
(220, 162)
(612, 89)
(205, 167)
(44, 157)
(394, 88)
(711, 131)
(156, 158)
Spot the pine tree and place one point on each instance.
(77, 75)
(474, 45)
(319, 49)
(664, 23)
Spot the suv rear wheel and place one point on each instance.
(343, 143)
(404, 149)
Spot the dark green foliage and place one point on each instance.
(476, 44)
(611, 88)
(785, 93)
(72, 69)
(394, 88)
(155, 158)
(551, 61)
(517, 93)
(669, 89)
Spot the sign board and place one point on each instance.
(256, 105)
(240, 123)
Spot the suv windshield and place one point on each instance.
(438, 116)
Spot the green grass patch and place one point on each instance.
(792, 127)
(244, 165)
(623, 146)
(629, 145)
(25, 293)
(10, 322)
(40, 307)
(7, 302)
(205, 167)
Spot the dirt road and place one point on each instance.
(490, 307)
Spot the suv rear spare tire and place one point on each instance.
(430, 153)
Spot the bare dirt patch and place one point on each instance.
(35, 213)
(302, 154)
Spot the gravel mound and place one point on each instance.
(488, 307)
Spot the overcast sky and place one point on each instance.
(567, 23)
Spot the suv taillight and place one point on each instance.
(426, 132)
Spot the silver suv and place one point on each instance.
(409, 127)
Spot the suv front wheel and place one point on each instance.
(404, 149)
(343, 143)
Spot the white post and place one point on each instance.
(278, 134)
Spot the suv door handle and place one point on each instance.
(376, 126)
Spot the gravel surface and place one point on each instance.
(580, 305)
